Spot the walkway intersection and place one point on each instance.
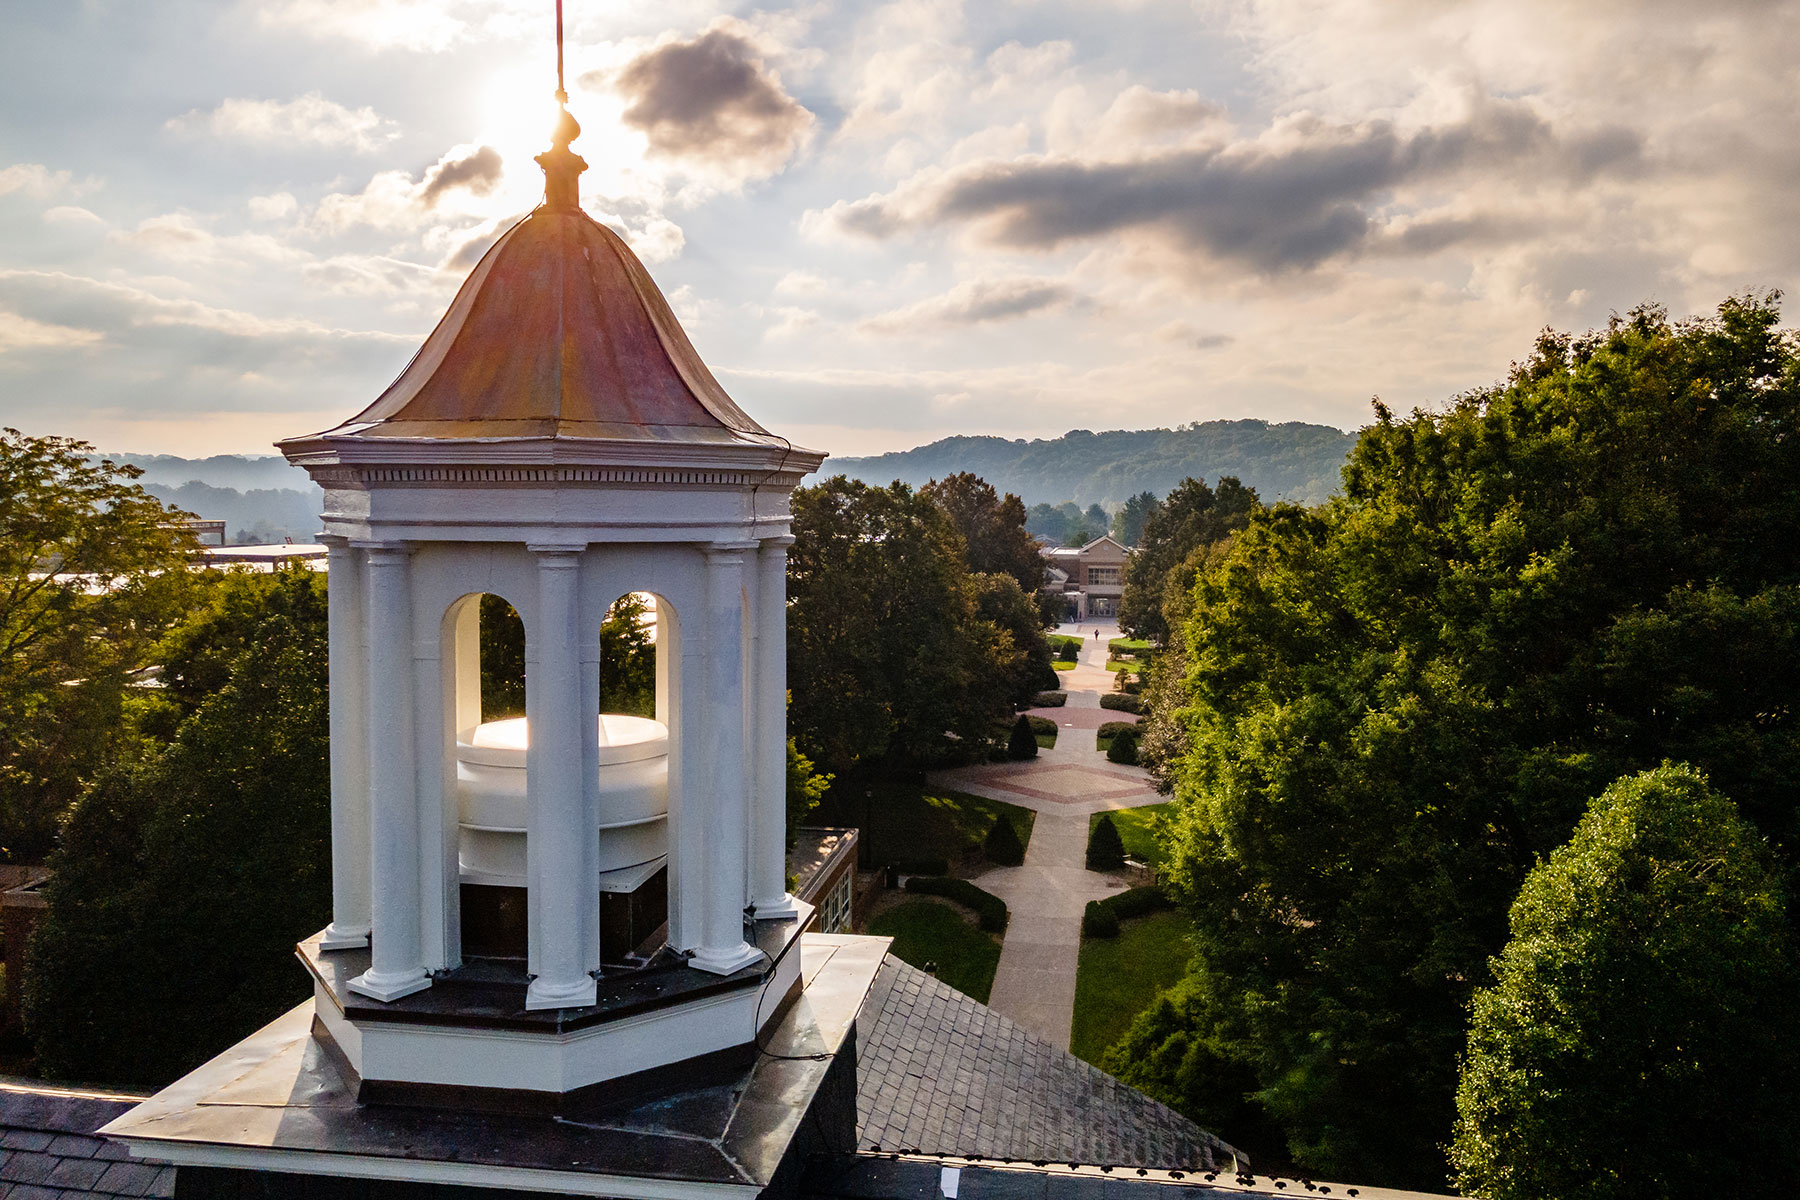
(1065, 785)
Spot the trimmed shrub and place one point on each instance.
(1114, 728)
(1132, 646)
(989, 909)
(1118, 703)
(1139, 902)
(1043, 726)
(1068, 653)
(1099, 921)
(1105, 849)
(1102, 918)
(1052, 699)
(1002, 846)
(1123, 749)
(1023, 742)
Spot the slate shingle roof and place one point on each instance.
(48, 1151)
(942, 1073)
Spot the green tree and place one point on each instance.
(1105, 848)
(1002, 846)
(1128, 522)
(183, 879)
(992, 527)
(93, 570)
(806, 786)
(1642, 1029)
(1398, 703)
(1193, 517)
(1022, 744)
(888, 659)
(627, 659)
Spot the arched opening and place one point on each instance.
(489, 687)
(633, 778)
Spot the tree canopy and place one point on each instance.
(183, 878)
(896, 651)
(1191, 518)
(1644, 1021)
(1398, 702)
(92, 571)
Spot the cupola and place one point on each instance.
(540, 903)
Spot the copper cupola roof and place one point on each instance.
(559, 332)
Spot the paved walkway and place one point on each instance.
(1065, 785)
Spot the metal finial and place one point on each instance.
(562, 94)
(562, 166)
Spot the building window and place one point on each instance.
(1103, 576)
(834, 916)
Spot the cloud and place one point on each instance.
(418, 25)
(477, 171)
(274, 207)
(714, 101)
(394, 201)
(181, 236)
(23, 333)
(73, 215)
(309, 120)
(976, 302)
(33, 179)
(1306, 192)
(368, 275)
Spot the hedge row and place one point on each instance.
(1042, 726)
(1054, 699)
(989, 908)
(1110, 728)
(1118, 703)
(1132, 646)
(1102, 917)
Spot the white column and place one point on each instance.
(724, 790)
(349, 752)
(768, 725)
(561, 879)
(397, 964)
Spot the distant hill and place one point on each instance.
(1291, 461)
(244, 472)
(261, 498)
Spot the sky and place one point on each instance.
(228, 222)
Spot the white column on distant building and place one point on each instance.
(767, 697)
(396, 957)
(349, 751)
(725, 789)
(562, 882)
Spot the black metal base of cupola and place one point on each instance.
(280, 1105)
(469, 1041)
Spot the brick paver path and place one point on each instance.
(1065, 785)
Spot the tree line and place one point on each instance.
(188, 822)
(1485, 778)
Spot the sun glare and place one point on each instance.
(518, 113)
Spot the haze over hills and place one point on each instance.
(1289, 461)
(261, 498)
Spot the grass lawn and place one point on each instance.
(1134, 826)
(925, 931)
(1059, 640)
(1134, 665)
(903, 821)
(1063, 666)
(1118, 978)
(1129, 646)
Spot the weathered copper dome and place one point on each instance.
(559, 332)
